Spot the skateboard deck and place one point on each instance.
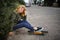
(40, 32)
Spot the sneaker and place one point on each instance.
(42, 29)
(38, 28)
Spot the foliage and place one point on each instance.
(7, 16)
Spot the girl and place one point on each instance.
(20, 10)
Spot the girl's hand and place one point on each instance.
(11, 33)
(0, 32)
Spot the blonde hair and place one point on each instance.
(19, 6)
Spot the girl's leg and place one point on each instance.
(23, 24)
(19, 25)
(28, 25)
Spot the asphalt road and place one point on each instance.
(47, 17)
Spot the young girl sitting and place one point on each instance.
(20, 10)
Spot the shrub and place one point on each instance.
(7, 16)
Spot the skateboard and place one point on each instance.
(39, 32)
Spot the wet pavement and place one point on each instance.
(47, 17)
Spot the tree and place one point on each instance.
(7, 16)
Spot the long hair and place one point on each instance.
(19, 6)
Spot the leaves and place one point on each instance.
(7, 16)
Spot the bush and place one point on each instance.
(7, 16)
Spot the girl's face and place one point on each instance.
(20, 10)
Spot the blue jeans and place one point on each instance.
(25, 24)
